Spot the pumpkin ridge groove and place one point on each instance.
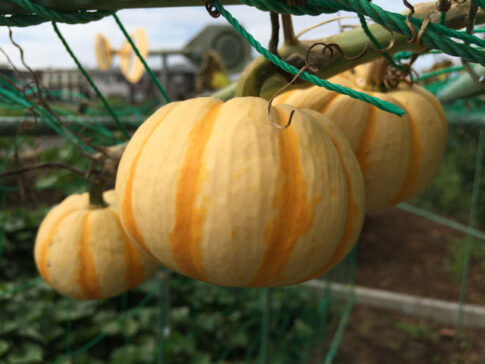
(186, 234)
(295, 213)
(352, 210)
(87, 274)
(362, 152)
(329, 102)
(437, 108)
(284, 97)
(45, 246)
(412, 172)
(126, 205)
(134, 270)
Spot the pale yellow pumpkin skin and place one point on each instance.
(214, 191)
(83, 252)
(399, 156)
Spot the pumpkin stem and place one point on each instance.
(376, 73)
(288, 31)
(96, 189)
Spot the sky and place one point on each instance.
(167, 28)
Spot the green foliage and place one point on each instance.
(418, 332)
(209, 324)
(68, 181)
(205, 323)
(457, 253)
(20, 228)
(7, 110)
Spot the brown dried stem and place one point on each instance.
(45, 165)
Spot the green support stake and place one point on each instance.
(332, 353)
(266, 308)
(472, 222)
(142, 60)
(3, 222)
(124, 307)
(164, 306)
(69, 329)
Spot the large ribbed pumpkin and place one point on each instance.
(83, 252)
(399, 156)
(214, 191)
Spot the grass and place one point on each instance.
(418, 332)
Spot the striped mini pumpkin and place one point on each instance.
(214, 191)
(399, 156)
(83, 252)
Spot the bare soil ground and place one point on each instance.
(379, 337)
(404, 253)
(407, 254)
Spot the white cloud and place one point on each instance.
(168, 28)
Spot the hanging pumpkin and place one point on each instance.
(214, 191)
(82, 251)
(399, 156)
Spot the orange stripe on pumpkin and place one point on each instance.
(186, 235)
(295, 213)
(362, 153)
(415, 153)
(284, 97)
(434, 102)
(134, 269)
(126, 206)
(45, 247)
(326, 106)
(352, 214)
(87, 274)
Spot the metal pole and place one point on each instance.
(472, 221)
(10, 125)
(164, 73)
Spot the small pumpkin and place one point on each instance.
(214, 191)
(399, 156)
(83, 252)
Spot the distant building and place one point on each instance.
(181, 80)
(68, 83)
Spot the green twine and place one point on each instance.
(142, 60)
(383, 105)
(39, 14)
(436, 36)
(378, 44)
(402, 55)
(89, 79)
(14, 96)
(443, 18)
(440, 72)
(481, 3)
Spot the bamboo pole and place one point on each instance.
(352, 43)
